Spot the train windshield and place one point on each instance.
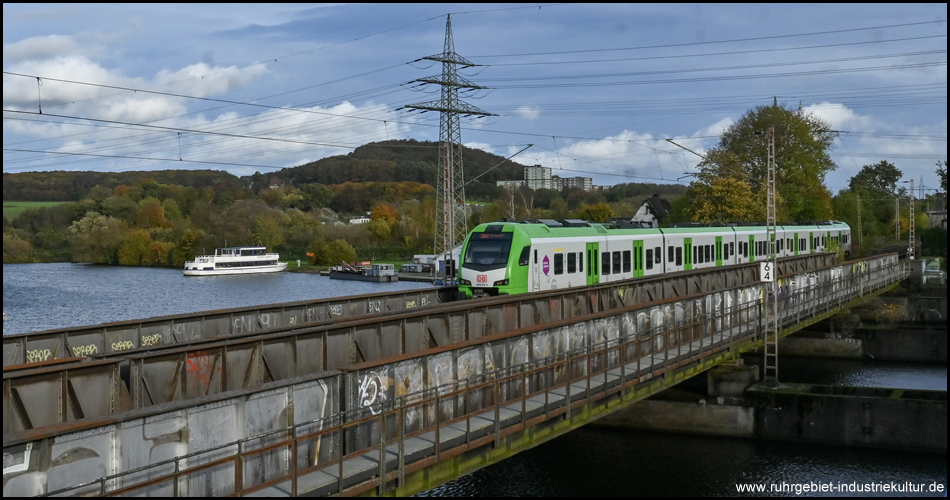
(488, 249)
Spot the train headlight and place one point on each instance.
(501, 283)
(464, 282)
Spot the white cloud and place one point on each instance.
(716, 129)
(40, 48)
(528, 112)
(840, 117)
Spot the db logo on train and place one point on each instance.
(482, 278)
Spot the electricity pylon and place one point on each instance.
(451, 223)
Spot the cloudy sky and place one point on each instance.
(593, 90)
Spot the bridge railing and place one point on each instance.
(320, 435)
(150, 334)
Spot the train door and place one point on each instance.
(752, 248)
(718, 251)
(797, 249)
(593, 263)
(811, 243)
(637, 259)
(535, 271)
(688, 250)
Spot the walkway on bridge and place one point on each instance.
(481, 399)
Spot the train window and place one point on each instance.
(708, 251)
(592, 264)
(617, 263)
(523, 259)
(572, 262)
(679, 256)
(696, 255)
(559, 263)
(670, 257)
(745, 249)
(535, 256)
(605, 263)
(824, 241)
(580, 262)
(649, 262)
(658, 255)
(489, 250)
(626, 261)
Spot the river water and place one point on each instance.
(585, 462)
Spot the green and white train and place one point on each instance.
(503, 258)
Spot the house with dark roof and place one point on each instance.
(653, 210)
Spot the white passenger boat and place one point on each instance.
(235, 260)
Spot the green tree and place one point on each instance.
(95, 238)
(879, 178)
(331, 253)
(120, 207)
(185, 250)
(802, 160)
(15, 247)
(874, 187)
(600, 212)
(942, 173)
(315, 195)
(559, 208)
(268, 231)
(380, 229)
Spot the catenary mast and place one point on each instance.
(451, 223)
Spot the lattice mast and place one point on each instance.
(451, 224)
(910, 247)
(771, 301)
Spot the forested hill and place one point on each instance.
(73, 186)
(402, 160)
(389, 161)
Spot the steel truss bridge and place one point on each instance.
(382, 394)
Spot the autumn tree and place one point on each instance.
(386, 213)
(151, 214)
(598, 212)
(802, 160)
(136, 249)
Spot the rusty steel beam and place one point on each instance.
(229, 442)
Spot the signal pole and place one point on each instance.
(770, 369)
(910, 248)
(451, 224)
